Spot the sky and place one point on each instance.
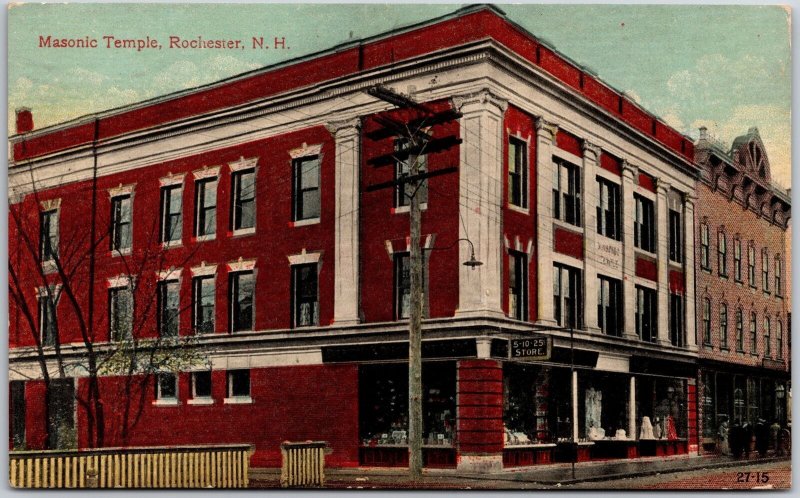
(724, 67)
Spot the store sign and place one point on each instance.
(608, 254)
(530, 348)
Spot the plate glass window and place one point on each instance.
(244, 199)
(517, 285)
(517, 172)
(646, 314)
(241, 300)
(120, 313)
(306, 173)
(609, 306)
(402, 168)
(305, 291)
(48, 237)
(206, 207)
(239, 383)
(203, 297)
(171, 206)
(201, 384)
(644, 228)
(608, 210)
(168, 308)
(566, 192)
(121, 222)
(47, 319)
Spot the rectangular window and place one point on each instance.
(723, 326)
(120, 312)
(676, 326)
(239, 383)
(241, 301)
(779, 340)
(402, 285)
(609, 306)
(203, 299)
(402, 168)
(739, 331)
(737, 260)
(767, 338)
(608, 210)
(707, 322)
(644, 230)
(751, 265)
(243, 210)
(722, 254)
(167, 387)
(168, 308)
(517, 172)
(517, 285)
(705, 260)
(753, 335)
(675, 237)
(646, 314)
(171, 213)
(47, 320)
(567, 296)
(306, 295)
(48, 236)
(306, 182)
(121, 210)
(566, 192)
(778, 276)
(201, 384)
(764, 270)
(205, 201)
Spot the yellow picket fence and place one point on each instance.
(303, 464)
(144, 467)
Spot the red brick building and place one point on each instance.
(234, 216)
(742, 283)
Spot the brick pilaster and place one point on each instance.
(480, 414)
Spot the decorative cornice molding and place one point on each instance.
(121, 190)
(203, 270)
(305, 150)
(119, 281)
(243, 163)
(205, 172)
(50, 204)
(629, 169)
(480, 98)
(171, 179)
(546, 130)
(344, 126)
(242, 265)
(304, 258)
(170, 274)
(590, 149)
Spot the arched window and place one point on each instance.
(707, 321)
(723, 326)
(753, 337)
(722, 253)
(779, 341)
(767, 338)
(739, 331)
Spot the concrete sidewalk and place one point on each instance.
(541, 475)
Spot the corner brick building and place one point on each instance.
(742, 249)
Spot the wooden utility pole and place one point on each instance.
(417, 142)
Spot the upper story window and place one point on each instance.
(239, 384)
(644, 229)
(764, 270)
(778, 276)
(705, 259)
(751, 264)
(305, 294)
(566, 192)
(201, 385)
(767, 337)
(675, 236)
(402, 286)
(48, 235)
(402, 168)
(171, 213)
(306, 193)
(167, 387)
(609, 305)
(779, 341)
(567, 296)
(243, 201)
(121, 214)
(737, 259)
(707, 321)
(753, 333)
(241, 300)
(168, 308)
(517, 285)
(203, 298)
(739, 330)
(646, 314)
(723, 326)
(205, 215)
(48, 330)
(120, 312)
(676, 320)
(608, 210)
(517, 172)
(722, 254)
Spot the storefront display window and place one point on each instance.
(662, 401)
(603, 406)
(383, 404)
(709, 415)
(532, 414)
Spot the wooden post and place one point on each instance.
(415, 326)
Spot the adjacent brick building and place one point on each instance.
(742, 283)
